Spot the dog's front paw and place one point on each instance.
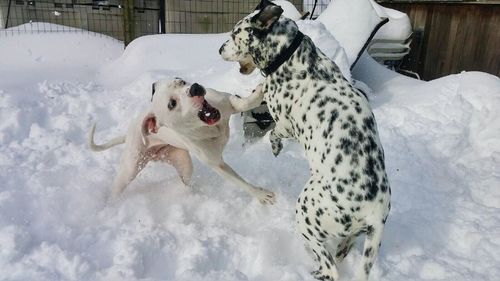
(276, 146)
(319, 275)
(265, 196)
(258, 89)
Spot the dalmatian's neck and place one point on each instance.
(309, 65)
(274, 43)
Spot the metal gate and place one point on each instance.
(120, 19)
(126, 20)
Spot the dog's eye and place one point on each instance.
(171, 104)
(179, 81)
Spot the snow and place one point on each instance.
(39, 26)
(289, 9)
(325, 41)
(399, 25)
(351, 22)
(321, 5)
(441, 140)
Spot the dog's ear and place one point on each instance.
(263, 4)
(149, 125)
(267, 16)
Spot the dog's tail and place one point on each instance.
(104, 146)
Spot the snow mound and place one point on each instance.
(44, 26)
(398, 27)
(351, 22)
(69, 55)
(289, 9)
(327, 43)
(174, 52)
(166, 55)
(443, 154)
(465, 105)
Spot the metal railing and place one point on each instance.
(129, 19)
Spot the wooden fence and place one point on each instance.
(453, 37)
(208, 16)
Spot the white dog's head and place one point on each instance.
(180, 105)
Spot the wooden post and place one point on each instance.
(8, 15)
(128, 21)
(161, 17)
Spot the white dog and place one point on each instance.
(183, 118)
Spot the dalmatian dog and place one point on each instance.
(348, 193)
(183, 118)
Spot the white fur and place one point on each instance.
(169, 135)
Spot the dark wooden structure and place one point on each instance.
(452, 36)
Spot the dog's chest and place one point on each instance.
(279, 100)
(283, 106)
(304, 106)
(304, 86)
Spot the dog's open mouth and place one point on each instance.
(208, 114)
(246, 68)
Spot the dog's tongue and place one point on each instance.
(209, 114)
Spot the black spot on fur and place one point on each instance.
(338, 159)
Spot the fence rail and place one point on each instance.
(103, 17)
(128, 19)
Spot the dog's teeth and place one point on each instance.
(207, 114)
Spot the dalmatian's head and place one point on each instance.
(257, 38)
(178, 104)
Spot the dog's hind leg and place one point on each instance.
(344, 248)
(316, 242)
(181, 160)
(370, 251)
(130, 165)
(327, 269)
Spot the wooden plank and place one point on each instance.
(456, 37)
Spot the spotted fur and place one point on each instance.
(348, 193)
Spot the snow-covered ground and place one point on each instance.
(441, 138)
